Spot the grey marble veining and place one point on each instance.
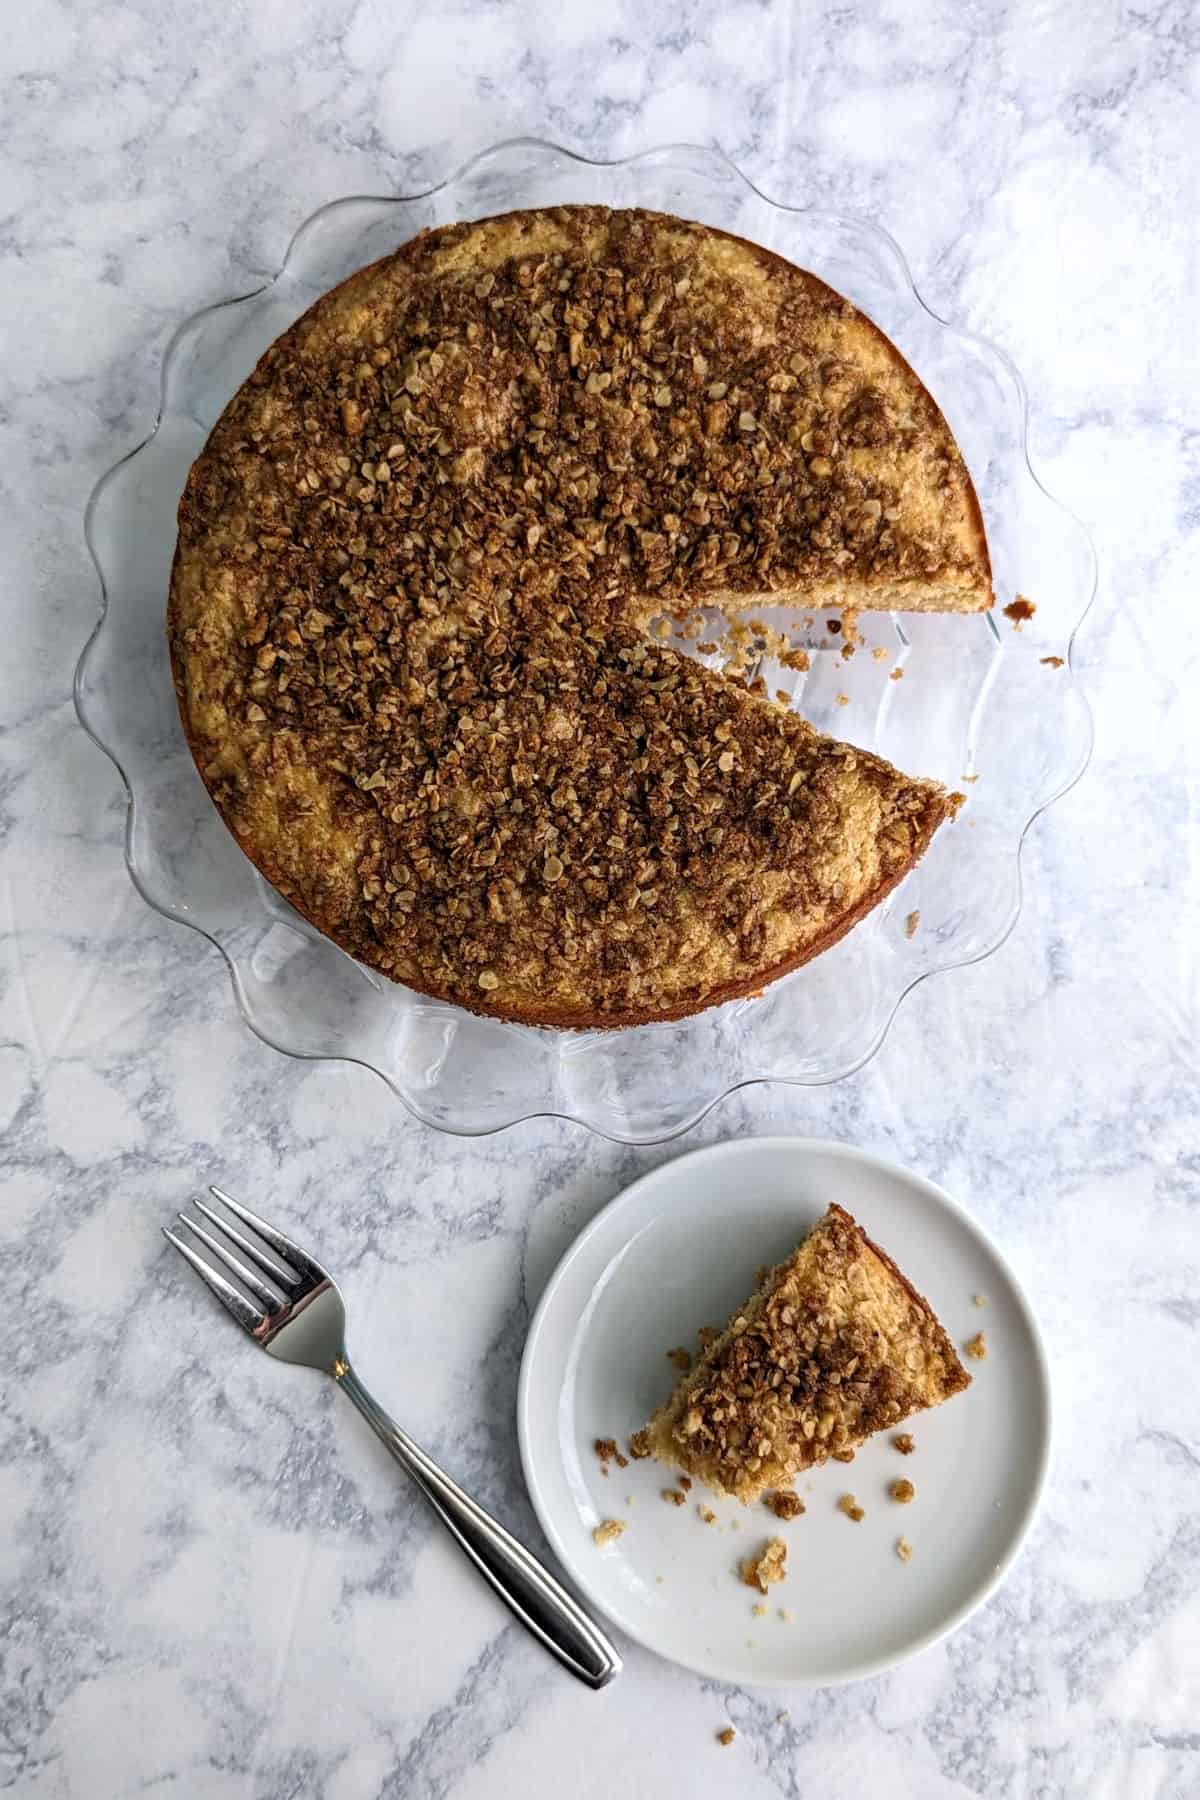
(165, 1496)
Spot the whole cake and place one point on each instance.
(416, 559)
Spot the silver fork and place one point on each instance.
(297, 1314)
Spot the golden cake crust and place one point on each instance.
(414, 564)
(835, 1345)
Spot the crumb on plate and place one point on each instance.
(770, 1565)
(904, 1442)
(849, 1505)
(911, 923)
(903, 1491)
(639, 1444)
(904, 1549)
(1053, 662)
(608, 1531)
(727, 1736)
(606, 1450)
(785, 1504)
(707, 1514)
(676, 1496)
(977, 1347)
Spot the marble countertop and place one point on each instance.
(211, 1582)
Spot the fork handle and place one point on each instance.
(543, 1606)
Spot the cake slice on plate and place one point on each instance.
(834, 1345)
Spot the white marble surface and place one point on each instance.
(212, 1583)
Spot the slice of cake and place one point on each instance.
(834, 1345)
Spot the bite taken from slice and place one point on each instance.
(834, 1345)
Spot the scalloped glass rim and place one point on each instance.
(973, 703)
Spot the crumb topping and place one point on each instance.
(977, 1347)
(785, 1504)
(904, 1442)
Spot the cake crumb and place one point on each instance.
(680, 1359)
(881, 653)
(896, 675)
(1052, 662)
(904, 1549)
(785, 1504)
(978, 1299)
(685, 1482)
(849, 1505)
(676, 1496)
(767, 1567)
(843, 699)
(639, 1444)
(977, 1347)
(606, 1450)
(843, 1456)
(904, 1442)
(911, 923)
(1020, 611)
(707, 1514)
(727, 1736)
(608, 1531)
(903, 1491)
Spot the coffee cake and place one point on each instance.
(833, 1346)
(415, 563)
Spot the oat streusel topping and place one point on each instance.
(834, 1346)
(415, 563)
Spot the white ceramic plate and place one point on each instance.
(680, 1249)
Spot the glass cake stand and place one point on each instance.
(976, 701)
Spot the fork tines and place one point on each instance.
(244, 1258)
